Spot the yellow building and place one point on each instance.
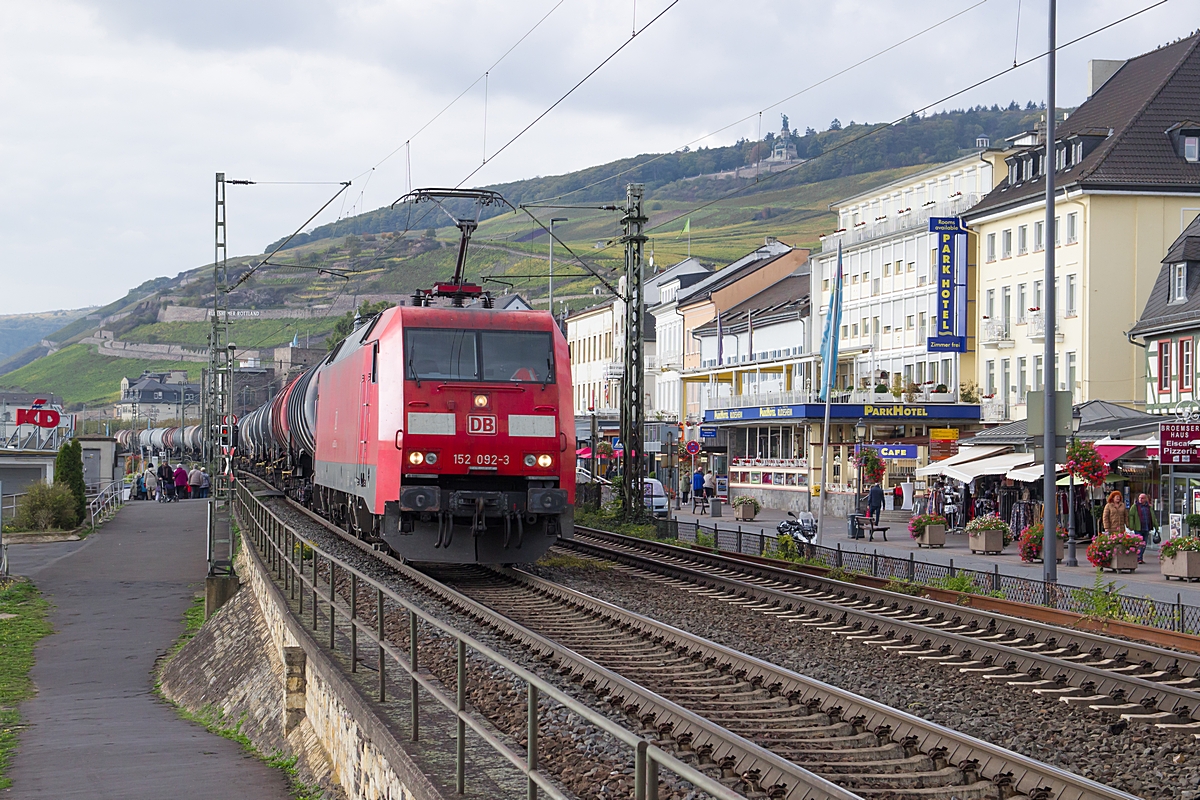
(1127, 174)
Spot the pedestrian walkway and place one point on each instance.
(1147, 581)
(96, 729)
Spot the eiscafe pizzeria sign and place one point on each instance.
(1177, 443)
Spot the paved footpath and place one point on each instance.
(1147, 581)
(95, 728)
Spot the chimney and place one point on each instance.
(1099, 71)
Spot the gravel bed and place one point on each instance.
(1138, 759)
(583, 759)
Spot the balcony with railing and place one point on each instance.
(1037, 326)
(900, 221)
(614, 371)
(993, 409)
(925, 394)
(995, 333)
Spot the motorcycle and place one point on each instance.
(802, 530)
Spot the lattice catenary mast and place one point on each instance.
(633, 410)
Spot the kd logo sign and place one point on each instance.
(42, 417)
(478, 424)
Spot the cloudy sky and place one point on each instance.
(117, 113)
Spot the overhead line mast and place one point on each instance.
(633, 410)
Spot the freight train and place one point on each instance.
(186, 440)
(446, 433)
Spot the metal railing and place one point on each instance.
(896, 222)
(1037, 325)
(923, 394)
(994, 331)
(104, 504)
(285, 554)
(1177, 616)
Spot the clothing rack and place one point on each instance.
(1024, 513)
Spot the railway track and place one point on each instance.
(1136, 681)
(769, 732)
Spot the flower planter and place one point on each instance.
(1184, 565)
(1058, 552)
(744, 512)
(987, 542)
(933, 536)
(1124, 562)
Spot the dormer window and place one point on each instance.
(1191, 148)
(1178, 283)
(1076, 152)
(1013, 175)
(1185, 138)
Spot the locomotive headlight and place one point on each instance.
(431, 458)
(481, 400)
(544, 461)
(416, 458)
(530, 460)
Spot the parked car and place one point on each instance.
(656, 497)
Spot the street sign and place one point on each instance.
(693, 448)
(1177, 443)
(708, 433)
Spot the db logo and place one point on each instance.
(42, 417)
(481, 424)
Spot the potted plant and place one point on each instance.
(1115, 551)
(1086, 463)
(870, 463)
(1181, 558)
(1029, 545)
(988, 534)
(881, 388)
(940, 389)
(928, 529)
(745, 508)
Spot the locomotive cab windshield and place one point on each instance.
(492, 356)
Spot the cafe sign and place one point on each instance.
(1177, 443)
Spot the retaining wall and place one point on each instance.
(253, 660)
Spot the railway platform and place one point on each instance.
(1147, 581)
(95, 728)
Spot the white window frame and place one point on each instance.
(1070, 309)
(1022, 304)
(991, 247)
(1186, 367)
(1022, 239)
(1073, 227)
(1039, 236)
(1179, 282)
(1006, 242)
(1191, 148)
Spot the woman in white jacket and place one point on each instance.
(151, 481)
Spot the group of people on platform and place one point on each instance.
(166, 483)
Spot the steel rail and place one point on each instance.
(993, 760)
(804, 785)
(875, 610)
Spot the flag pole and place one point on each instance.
(824, 468)
(829, 359)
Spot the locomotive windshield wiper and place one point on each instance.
(413, 371)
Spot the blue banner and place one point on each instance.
(708, 433)
(832, 333)
(886, 411)
(950, 328)
(897, 450)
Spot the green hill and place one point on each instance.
(84, 378)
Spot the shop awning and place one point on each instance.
(961, 457)
(1111, 452)
(584, 452)
(1151, 445)
(1065, 480)
(1032, 473)
(996, 465)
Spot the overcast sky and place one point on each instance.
(117, 113)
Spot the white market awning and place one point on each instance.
(1032, 473)
(964, 455)
(996, 465)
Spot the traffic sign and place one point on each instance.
(693, 448)
(230, 419)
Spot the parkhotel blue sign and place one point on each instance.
(882, 412)
(950, 331)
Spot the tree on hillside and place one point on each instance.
(68, 472)
(345, 326)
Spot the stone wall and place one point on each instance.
(781, 499)
(237, 663)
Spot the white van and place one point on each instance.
(656, 497)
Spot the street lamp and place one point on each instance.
(860, 436)
(553, 220)
(1071, 561)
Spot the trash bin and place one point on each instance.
(714, 508)
(854, 528)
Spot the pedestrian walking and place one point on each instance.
(194, 480)
(897, 497)
(698, 489)
(875, 503)
(151, 481)
(1115, 518)
(181, 483)
(140, 488)
(166, 482)
(1142, 521)
(710, 484)
(205, 483)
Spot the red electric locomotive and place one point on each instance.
(445, 432)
